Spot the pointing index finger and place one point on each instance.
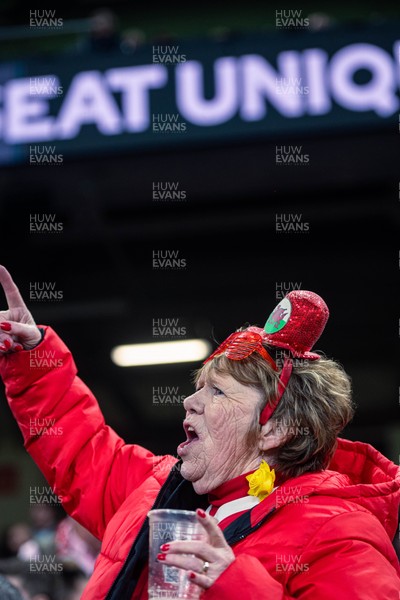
(14, 298)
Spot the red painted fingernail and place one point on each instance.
(5, 326)
(164, 547)
(3, 348)
(192, 575)
(7, 344)
(18, 348)
(201, 513)
(160, 556)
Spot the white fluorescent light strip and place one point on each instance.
(160, 353)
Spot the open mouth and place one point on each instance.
(191, 437)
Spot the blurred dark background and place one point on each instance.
(236, 261)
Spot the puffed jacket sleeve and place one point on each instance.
(339, 562)
(85, 462)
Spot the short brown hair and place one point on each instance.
(314, 409)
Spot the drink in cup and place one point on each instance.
(167, 525)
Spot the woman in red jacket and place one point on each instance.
(291, 511)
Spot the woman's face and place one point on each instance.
(221, 412)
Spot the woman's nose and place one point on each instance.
(194, 403)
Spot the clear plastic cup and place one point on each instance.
(168, 525)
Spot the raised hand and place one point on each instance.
(18, 329)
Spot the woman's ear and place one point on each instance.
(271, 436)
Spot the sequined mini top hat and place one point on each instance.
(295, 325)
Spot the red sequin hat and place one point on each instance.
(295, 325)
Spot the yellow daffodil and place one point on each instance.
(261, 482)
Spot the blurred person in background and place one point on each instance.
(17, 540)
(9, 591)
(76, 546)
(32, 584)
(318, 525)
(67, 584)
(44, 521)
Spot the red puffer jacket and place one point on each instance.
(320, 536)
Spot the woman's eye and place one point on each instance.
(217, 391)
